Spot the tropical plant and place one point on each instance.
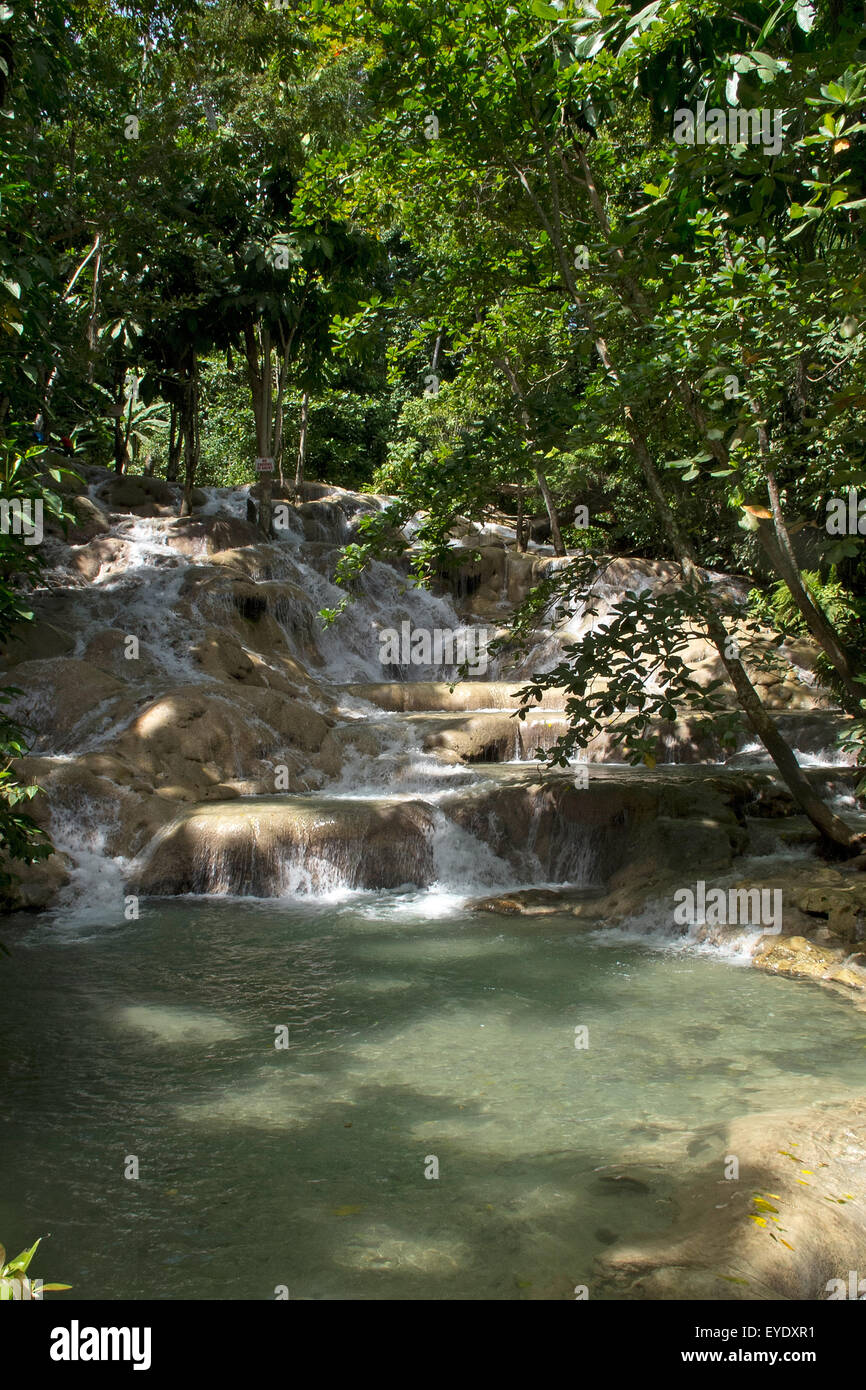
(15, 1283)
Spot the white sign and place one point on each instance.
(264, 465)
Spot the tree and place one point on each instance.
(509, 97)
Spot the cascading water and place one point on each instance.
(225, 627)
(267, 827)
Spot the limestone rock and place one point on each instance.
(264, 847)
(795, 956)
(715, 1251)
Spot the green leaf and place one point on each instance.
(23, 1260)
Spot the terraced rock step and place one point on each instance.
(439, 695)
(521, 830)
(264, 846)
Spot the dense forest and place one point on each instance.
(495, 257)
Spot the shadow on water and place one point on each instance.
(305, 1167)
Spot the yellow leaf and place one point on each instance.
(347, 1211)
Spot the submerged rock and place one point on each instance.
(790, 1226)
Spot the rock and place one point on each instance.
(264, 848)
(194, 738)
(66, 699)
(715, 1251)
(842, 905)
(795, 956)
(222, 656)
(90, 520)
(440, 695)
(347, 740)
(489, 738)
(100, 557)
(38, 641)
(204, 535)
(34, 887)
(323, 520)
(128, 493)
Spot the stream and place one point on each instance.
(413, 1031)
(263, 1046)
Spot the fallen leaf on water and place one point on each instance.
(346, 1211)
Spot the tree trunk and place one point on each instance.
(514, 382)
(191, 439)
(258, 355)
(832, 828)
(282, 378)
(93, 321)
(175, 440)
(820, 627)
(776, 542)
(555, 533)
(521, 533)
(302, 445)
(120, 456)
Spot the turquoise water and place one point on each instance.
(410, 1037)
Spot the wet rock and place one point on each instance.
(262, 848)
(90, 520)
(795, 956)
(66, 699)
(38, 641)
(204, 535)
(715, 1251)
(440, 695)
(100, 557)
(138, 493)
(33, 886)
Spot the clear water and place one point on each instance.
(410, 1036)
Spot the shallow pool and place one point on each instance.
(410, 1039)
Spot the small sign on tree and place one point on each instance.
(265, 465)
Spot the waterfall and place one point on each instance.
(198, 730)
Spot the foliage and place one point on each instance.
(24, 480)
(15, 1283)
(640, 649)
